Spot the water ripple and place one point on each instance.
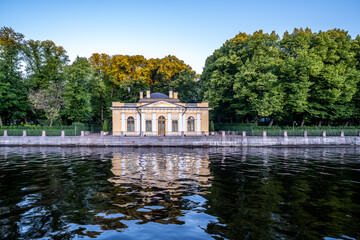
(164, 193)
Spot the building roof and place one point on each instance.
(158, 95)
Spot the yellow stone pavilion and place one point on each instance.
(158, 114)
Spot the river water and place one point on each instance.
(174, 193)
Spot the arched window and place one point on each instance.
(191, 124)
(130, 124)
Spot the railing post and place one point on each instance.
(305, 134)
(222, 133)
(324, 133)
(82, 133)
(63, 133)
(43, 133)
(5, 133)
(342, 134)
(264, 133)
(24, 133)
(285, 134)
(244, 133)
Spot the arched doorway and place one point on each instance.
(161, 125)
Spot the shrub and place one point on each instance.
(212, 128)
(105, 126)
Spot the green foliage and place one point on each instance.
(253, 130)
(311, 78)
(36, 130)
(304, 76)
(186, 85)
(212, 128)
(45, 62)
(13, 96)
(105, 126)
(49, 100)
(76, 94)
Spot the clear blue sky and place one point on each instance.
(190, 30)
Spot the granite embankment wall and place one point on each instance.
(201, 141)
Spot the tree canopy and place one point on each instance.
(304, 76)
(48, 89)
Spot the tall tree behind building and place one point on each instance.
(13, 95)
(76, 92)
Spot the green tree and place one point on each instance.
(355, 102)
(45, 62)
(13, 96)
(241, 78)
(186, 85)
(48, 100)
(257, 81)
(105, 127)
(304, 76)
(76, 93)
(217, 79)
(334, 87)
(101, 86)
(300, 65)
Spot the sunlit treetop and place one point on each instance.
(123, 68)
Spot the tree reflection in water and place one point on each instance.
(63, 193)
(164, 193)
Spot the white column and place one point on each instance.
(123, 120)
(184, 123)
(198, 123)
(154, 124)
(169, 127)
(180, 123)
(143, 128)
(137, 127)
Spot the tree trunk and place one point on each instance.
(347, 123)
(0, 122)
(112, 92)
(302, 122)
(51, 122)
(256, 120)
(271, 122)
(25, 120)
(102, 116)
(319, 124)
(247, 119)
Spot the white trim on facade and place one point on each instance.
(123, 122)
(154, 124)
(198, 123)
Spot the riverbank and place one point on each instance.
(171, 141)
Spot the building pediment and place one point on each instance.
(161, 104)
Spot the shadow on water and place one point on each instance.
(164, 193)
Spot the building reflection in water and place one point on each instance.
(152, 187)
(167, 171)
